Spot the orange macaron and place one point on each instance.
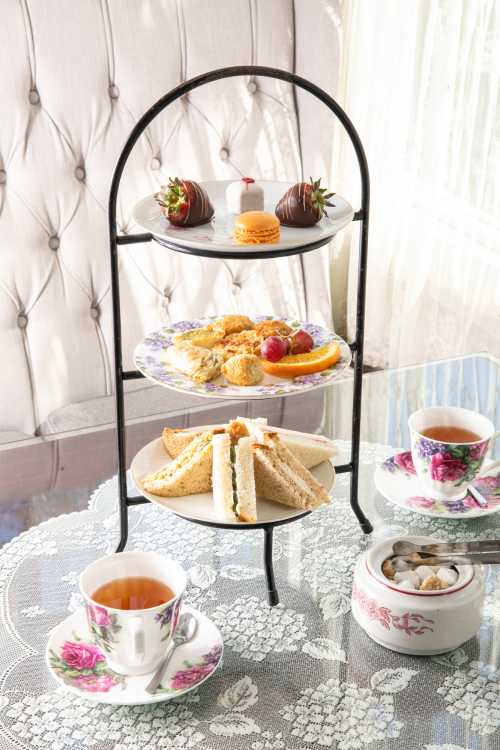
(256, 228)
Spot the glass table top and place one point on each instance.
(47, 476)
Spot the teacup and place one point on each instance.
(447, 469)
(133, 641)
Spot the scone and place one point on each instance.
(231, 324)
(243, 369)
(197, 363)
(256, 228)
(198, 337)
(272, 328)
(244, 342)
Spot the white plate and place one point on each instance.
(148, 358)
(396, 480)
(190, 666)
(200, 507)
(217, 235)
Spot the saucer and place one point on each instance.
(80, 666)
(397, 481)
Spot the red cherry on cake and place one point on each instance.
(303, 205)
(185, 203)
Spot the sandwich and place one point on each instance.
(309, 449)
(189, 474)
(196, 362)
(233, 479)
(175, 440)
(280, 476)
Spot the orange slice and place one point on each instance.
(294, 365)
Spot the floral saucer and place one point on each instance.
(80, 666)
(149, 355)
(397, 481)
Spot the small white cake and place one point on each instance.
(244, 195)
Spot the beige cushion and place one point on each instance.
(75, 78)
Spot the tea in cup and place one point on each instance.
(448, 447)
(133, 602)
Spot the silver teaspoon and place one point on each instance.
(185, 632)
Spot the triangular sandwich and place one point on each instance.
(233, 479)
(279, 476)
(189, 474)
(309, 449)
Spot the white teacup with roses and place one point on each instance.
(134, 641)
(447, 469)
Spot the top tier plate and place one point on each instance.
(215, 238)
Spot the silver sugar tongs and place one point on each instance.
(484, 552)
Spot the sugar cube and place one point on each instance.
(447, 576)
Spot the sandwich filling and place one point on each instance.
(234, 478)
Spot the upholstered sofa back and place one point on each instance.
(75, 78)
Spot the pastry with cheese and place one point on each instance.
(196, 362)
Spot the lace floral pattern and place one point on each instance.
(296, 677)
(253, 630)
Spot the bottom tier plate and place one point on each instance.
(200, 508)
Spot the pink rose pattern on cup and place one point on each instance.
(455, 463)
(488, 486)
(193, 672)
(83, 665)
(103, 626)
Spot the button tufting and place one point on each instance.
(236, 285)
(155, 163)
(3, 176)
(114, 91)
(22, 320)
(54, 243)
(80, 173)
(252, 87)
(224, 154)
(94, 312)
(34, 97)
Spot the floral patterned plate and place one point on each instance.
(80, 666)
(200, 507)
(149, 354)
(217, 235)
(397, 481)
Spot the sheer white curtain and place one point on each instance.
(421, 81)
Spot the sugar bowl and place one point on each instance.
(411, 621)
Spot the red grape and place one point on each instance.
(273, 349)
(301, 342)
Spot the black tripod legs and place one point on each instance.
(272, 593)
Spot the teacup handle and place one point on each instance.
(492, 464)
(136, 633)
(489, 467)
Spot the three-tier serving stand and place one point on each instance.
(356, 346)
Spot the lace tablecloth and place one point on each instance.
(300, 676)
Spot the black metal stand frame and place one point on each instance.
(356, 346)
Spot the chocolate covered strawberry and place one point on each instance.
(303, 204)
(185, 203)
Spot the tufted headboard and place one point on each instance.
(75, 77)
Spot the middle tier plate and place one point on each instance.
(217, 235)
(153, 457)
(149, 354)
